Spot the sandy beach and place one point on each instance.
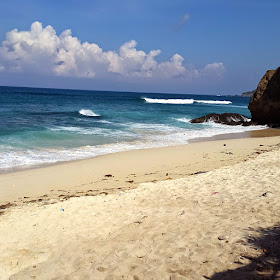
(139, 140)
(206, 210)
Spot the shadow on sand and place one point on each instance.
(265, 266)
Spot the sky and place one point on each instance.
(173, 46)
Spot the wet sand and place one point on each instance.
(270, 132)
(127, 170)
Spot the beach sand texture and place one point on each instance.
(196, 227)
(126, 170)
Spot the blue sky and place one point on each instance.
(206, 46)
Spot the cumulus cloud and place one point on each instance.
(41, 51)
(216, 68)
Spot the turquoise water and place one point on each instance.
(50, 125)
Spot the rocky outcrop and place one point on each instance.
(265, 103)
(248, 93)
(226, 118)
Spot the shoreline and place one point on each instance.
(268, 132)
(219, 222)
(126, 170)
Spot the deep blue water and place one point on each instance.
(49, 125)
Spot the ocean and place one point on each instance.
(42, 126)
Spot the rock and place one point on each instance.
(248, 93)
(265, 103)
(226, 118)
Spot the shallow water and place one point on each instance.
(51, 125)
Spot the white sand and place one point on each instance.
(128, 169)
(188, 228)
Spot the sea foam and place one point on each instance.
(185, 101)
(185, 120)
(168, 101)
(13, 157)
(93, 131)
(88, 113)
(222, 102)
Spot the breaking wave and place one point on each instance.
(185, 101)
(88, 113)
(169, 101)
(185, 120)
(223, 102)
(93, 131)
(13, 157)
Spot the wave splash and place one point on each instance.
(223, 102)
(169, 101)
(88, 113)
(185, 101)
(185, 120)
(11, 157)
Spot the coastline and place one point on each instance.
(206, 210)
(267, 132)
(58, 181)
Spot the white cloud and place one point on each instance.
(216, 68)
(42, 51)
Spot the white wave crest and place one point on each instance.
(80, 130)
(88, 113)
(185, 101)
(213, 101)
(185, 120)
(169, 101)
(104, 121)
(93, 131)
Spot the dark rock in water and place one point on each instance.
(248, 93)
(265, 103)
(226, 118)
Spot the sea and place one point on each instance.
(41, 126)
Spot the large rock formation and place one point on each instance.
(265, 103)
(226, 118)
